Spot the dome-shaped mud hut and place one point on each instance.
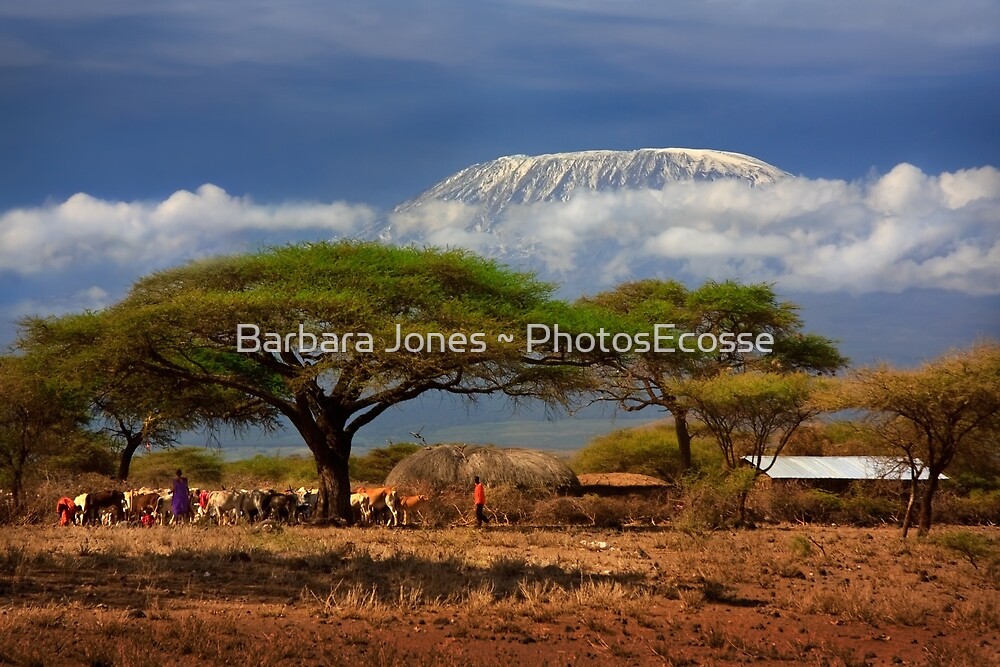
(443, 467)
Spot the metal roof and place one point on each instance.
(838, 467)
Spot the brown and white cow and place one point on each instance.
(383, 498)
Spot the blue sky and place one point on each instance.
(307, 119)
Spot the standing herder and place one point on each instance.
(181, 502)
(479, 496)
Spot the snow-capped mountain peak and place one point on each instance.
(523, 179)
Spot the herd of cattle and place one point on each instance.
(149, 506)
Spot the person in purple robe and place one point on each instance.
(181, 501)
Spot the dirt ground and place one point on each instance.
(499, 596)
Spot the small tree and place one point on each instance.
(930, 413)
(129, 405)
(641, 380)
(752, 415)
(37, 417)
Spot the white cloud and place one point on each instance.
(84, 230)
(905, 229)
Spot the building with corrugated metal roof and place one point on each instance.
(836, 473)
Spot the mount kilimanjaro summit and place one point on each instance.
(523, 179)
(581, 218)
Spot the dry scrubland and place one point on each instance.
(500, 596)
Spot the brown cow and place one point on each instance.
(410, 504)
(143, 502)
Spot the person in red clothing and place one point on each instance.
(479, 496)
(203, 500)
(66, 509)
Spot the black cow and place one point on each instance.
(284, 507)
(255, 505)
(100, 501)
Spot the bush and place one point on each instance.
(201, 466)
(277, 472)
(712, 501)
(84, 455)
(978, 508)
(860, 509)
(795, 503)
(375, 466)
(976, 548)
(645, 450)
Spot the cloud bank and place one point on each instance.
(84, 230)
(905, 229)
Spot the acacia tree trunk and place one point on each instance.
(908, 516)
(330, 444)
(924, 524)
(132, 443)
(683, 438)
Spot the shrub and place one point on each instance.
(276, 471)
(861, 509)
(645, 450)
(712, 501)
(201, 466)
(507, 504)
(375, 466)
(795, 503)
(974, 547)
(978, 508)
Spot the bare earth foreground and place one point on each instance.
(500, 596)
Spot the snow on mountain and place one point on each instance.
(490, 188)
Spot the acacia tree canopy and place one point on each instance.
(130, 405)
(932, 412)
(752, 414)
(182, 325)
(641, 380)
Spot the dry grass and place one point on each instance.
(800, 595)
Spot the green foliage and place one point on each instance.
(375, 466)
(183, 326)
(973, 546)
(713, 501)
(752, 413)
(645, 450)
(800, 546)
(278, 472)
(977, 508)
(201, 466)
(87, 453)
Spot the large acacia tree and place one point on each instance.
(182, 325)
(641, 380)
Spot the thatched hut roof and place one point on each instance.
(455, 466)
